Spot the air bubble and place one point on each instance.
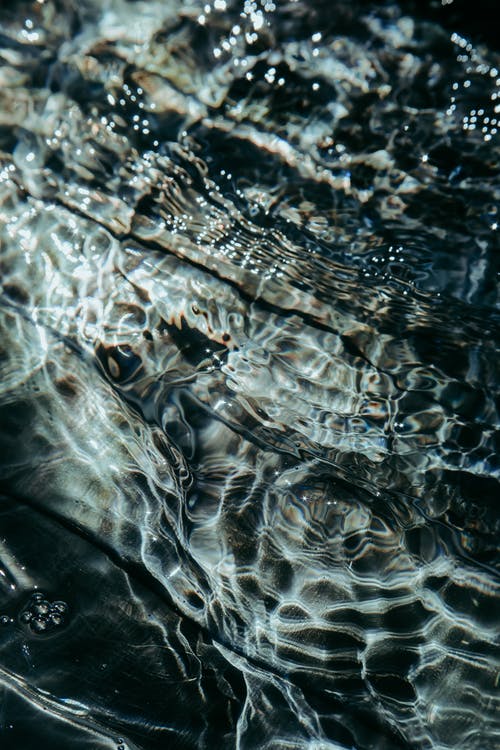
(41, 615)
(39, 625)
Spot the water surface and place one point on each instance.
(249, 375)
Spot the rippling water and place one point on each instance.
(249, 398)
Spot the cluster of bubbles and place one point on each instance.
(43, 616)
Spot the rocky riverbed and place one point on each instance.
(249, 330)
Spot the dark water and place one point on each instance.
(249, 330)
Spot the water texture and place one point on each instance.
(249, 403)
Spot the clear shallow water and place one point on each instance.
(249, 376)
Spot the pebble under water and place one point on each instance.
(249, 392)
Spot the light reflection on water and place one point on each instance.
(248, 376)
